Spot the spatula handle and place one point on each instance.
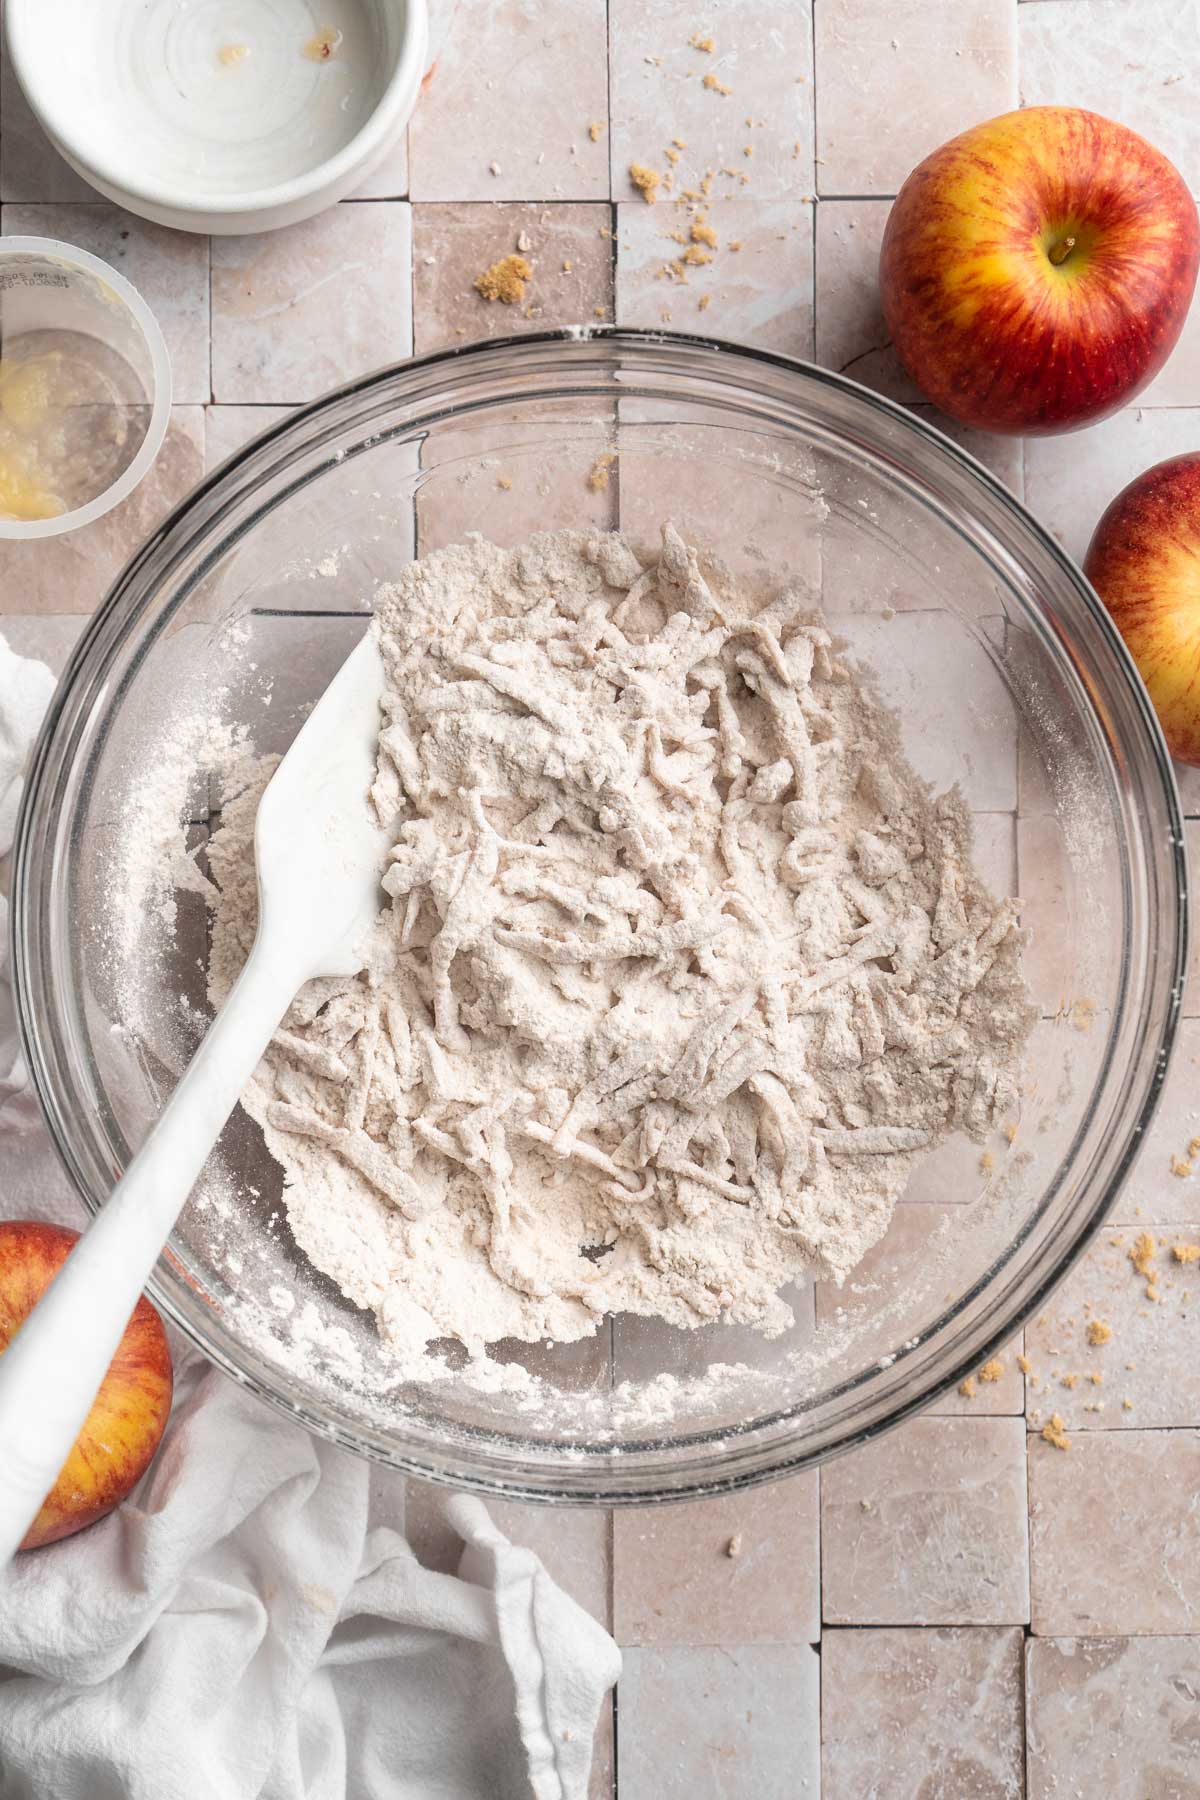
(53, 1367)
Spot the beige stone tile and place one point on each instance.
(168, 268)
(47, 638)
(762, 53)
(603, 1778)
(717, 1724)
(573, 1542)
(1152, 1361)
(760, 294)
(1070, 481)
(390, 180)
(930, 1713)
(927, 1526)
(959, 721)
(675, 1581)
(30, 168)
(918, 1232)
(1112, 1529)
(851, 335)
(72, 573)
(1128, 59)
(506, 117)
(1046, 912)
(896, 78)
(299, 310)
(1151, 1192)
(1004, 456)
(227, 428)
(454, 244)
(1113, 1716)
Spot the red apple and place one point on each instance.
(1036, 271)
(1144, 562)
(122, 1431)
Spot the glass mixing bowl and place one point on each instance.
(1009, 680)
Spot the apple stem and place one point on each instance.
(1059, 252)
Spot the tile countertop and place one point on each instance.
(999, 1618)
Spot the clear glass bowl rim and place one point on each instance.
(767, 1447)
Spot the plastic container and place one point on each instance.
(1009, 678)
(85, 387)
(220, 118)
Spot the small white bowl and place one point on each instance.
(221, 116)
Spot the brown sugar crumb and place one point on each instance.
(1142, 1257)
(1083, 1014)
(1127, 1404)
(993, 1370)
(567, 267)
(505, 280)
(967, 1388)
(735, 243)
(704, 302)
(599, 312)
(1181, 1166)
(747, 149)
(595, 129)
(646, 181)
(1193, 1148)
(702, 41)
(505, 482)
(1186, 1253)
(1069, 1381)
(672, 156)
(987, 1163)
(1096, 1378)
(1055, 1432)
(696, 257)
(679, 143)
(598, 473)
(714, 86)
(1010, 1131)
(1025, 1366)
(1098, 1332)
(703, 233)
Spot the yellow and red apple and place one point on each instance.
(1036, 271)
(1144, 562)
(122, 1431)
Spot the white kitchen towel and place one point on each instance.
(242, 1628)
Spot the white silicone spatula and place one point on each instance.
(319, 857)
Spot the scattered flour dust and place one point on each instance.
(682, 967)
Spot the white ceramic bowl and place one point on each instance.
(221, 116)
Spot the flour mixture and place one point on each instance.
(681, 971)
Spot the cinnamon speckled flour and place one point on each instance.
(682, 967)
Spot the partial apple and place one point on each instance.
(1144, 562)
(122, 1431)
(1036, 271)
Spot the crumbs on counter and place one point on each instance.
(704, 302)
(734, 1547)
(647, 181)
(987, 1163)
(598, 473)
(992, 1370)
(1025, 1366)
(1054, 1432)
(1141, 1255)
(968, 1388)
(1181, 1166)
(703, 233)
(505, 280)
(1069, 1381)
(595, 130)
(1099, 1332)
(504, 482)
(715, 85)
(703, 40)
(1186, 1253)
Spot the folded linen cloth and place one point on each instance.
(251, 1624)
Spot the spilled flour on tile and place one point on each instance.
(681, 968)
